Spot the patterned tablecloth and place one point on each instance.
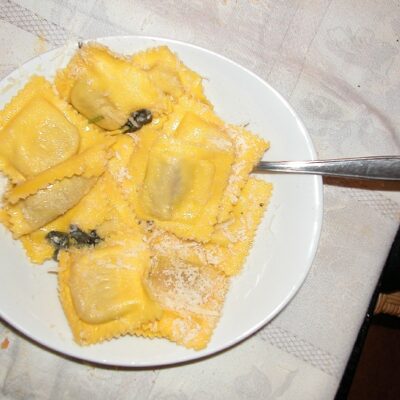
(338, 63)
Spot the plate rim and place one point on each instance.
(319, 206)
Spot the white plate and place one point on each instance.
(280, 258)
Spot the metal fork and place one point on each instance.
(382, 167)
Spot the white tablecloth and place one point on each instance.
(338, 63)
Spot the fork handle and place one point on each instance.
(382, 167)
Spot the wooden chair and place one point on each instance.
(388, 303)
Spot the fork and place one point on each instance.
(381, 167)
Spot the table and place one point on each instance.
(338, 64)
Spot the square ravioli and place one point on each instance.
(187, 175)
(183, 186)
(191, 297)
(169, 73)
(102, 290)
(108, 88)
(248, 147)
(38, 130)
(47, 204)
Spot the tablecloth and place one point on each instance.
(338, 64)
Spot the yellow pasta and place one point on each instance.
(232, 240)
(148, 221)
(248, 148)
(183, 186)
(102, 290)
(190, 279)
(47, 204)
(38, 131)
(107, 88)
(169, 73)
(88, 214)
(93, 210)
(180, 176)
(191, 297)
(123, 149)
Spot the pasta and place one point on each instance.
(123, 173)
(39, 131)
(107, 88)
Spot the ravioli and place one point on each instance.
(38, 131)
(188, 177)
(102, 290)
(47, 204)
(248, 148)
(183, 186)
(191, 297)
(232, 240)
(107, 88)
(129, 179)
(180, 176)
(167, 72)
